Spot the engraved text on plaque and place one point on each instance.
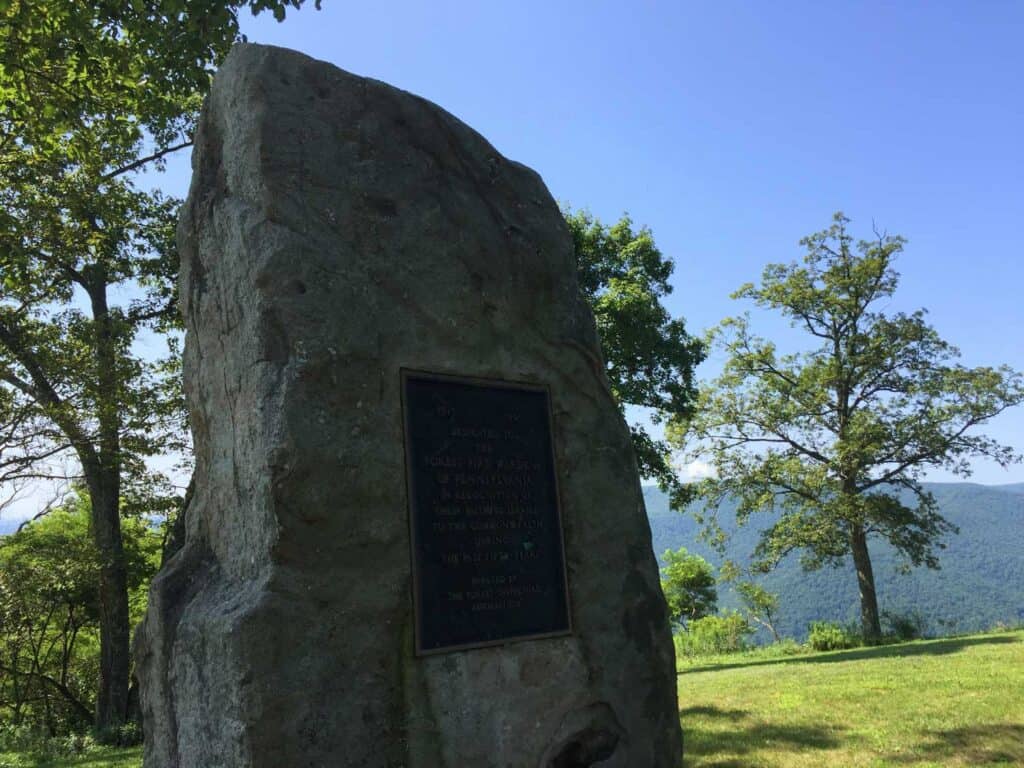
(488, 563)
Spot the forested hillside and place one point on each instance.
(980, 583)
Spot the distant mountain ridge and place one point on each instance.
(980, 583)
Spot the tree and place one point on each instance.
(759, 605)
(827, 438)
(93, 94)
(649, 357)
(49, 613)
(689, 586)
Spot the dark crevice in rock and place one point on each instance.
(586, 737)
(587, 748)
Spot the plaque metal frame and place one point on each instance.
(405, 375)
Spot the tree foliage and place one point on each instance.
(759, 605)
(714, 634)
(826, 438)
(49, 614)
(94, 93)
(649, 357)
(689, 586)
(108, 70)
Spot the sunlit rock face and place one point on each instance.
(338, 231)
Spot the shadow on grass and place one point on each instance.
(921, 648)
(744, 736)
(971, 745)
(724, 714)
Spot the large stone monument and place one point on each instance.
(417, 537)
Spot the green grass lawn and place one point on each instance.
(100, 757)
(951, 702)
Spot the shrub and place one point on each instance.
(35, 742)
(689, 586)
(829, 636)
(903, 626)
(725, 633)
(1005, 626)
(787, 646)
(126, 735)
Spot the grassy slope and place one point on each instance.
(953, 702)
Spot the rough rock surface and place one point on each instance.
(338, 229)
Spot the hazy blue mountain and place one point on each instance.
(980, 583)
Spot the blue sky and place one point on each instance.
(733, 129)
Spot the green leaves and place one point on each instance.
(49, 612)
(689, 586)
(93, 93)
(649, 357)
(69, 69)
(825, 437)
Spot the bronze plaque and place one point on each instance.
(487, 556)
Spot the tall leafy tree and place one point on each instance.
(649, 356)
(826, 438)
(93, 93)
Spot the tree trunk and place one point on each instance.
(104, 481)
(770, 623)
(869, 622)
(112, 698)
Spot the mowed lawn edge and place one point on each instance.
(98, 757)
(947, 702)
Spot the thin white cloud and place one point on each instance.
(695, 470)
